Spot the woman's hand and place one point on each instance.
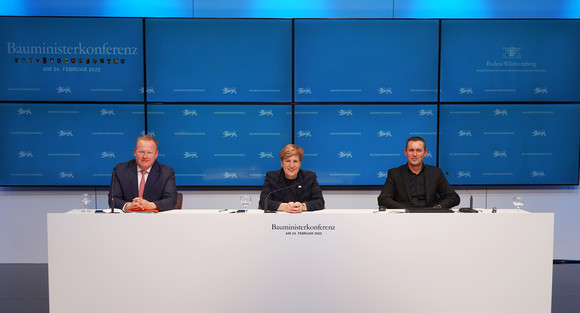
(292, 207)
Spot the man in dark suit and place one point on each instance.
(416, 184)
(291, 189)
(143, 183)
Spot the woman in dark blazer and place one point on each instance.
(291, 189)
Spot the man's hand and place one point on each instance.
(142, 204)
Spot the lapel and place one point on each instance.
(151, 179)
(427, 183)
(405, 177)
(300, 181)
(132, 178)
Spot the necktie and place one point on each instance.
(142, 184)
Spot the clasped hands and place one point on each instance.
(292, 207)
(140, 204)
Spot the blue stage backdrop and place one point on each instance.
(73, 98)
(499, 144)
(293, 8)
(110, 8)
(221, 145)
(71, 59)
(480, 9)
(366, 60)
(64, 144)
(356, 144)
(510, 60)
(219, 60)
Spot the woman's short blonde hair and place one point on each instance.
(291, 150)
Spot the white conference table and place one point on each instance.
(335, 261)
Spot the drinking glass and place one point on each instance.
(518, 202)
(86, 199)
(245, 200)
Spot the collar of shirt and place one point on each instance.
(147, 169)
(411, 172)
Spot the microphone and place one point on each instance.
(464, 210)
(273, 191)
(112, 192)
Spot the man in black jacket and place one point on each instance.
(416, 184)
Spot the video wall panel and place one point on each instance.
(486, 9)
(502, 144)
(106, 8)
(71, 59)
(219, 60)
(355, 144)
(293, 9)
(221, 145)
(510, 60)
(223, 96)
(366, 60)
(66, 145)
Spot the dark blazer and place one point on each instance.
(396, 193)
(160, 187)
(310, 192)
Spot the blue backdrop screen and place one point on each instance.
(51, 144)
(510, 60)
(479, 9)
(223, 96)
(366, 60)
(221, 145)
(110, 8)
(219, 60)
(510, 144)
(357, 144)
(71, 59)
(293, 8)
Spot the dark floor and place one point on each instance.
(24, 288)
(566, 288)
